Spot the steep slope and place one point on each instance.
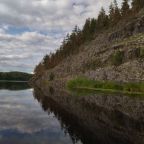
(116, 54)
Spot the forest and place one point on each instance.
(92, 26)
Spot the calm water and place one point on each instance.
(27, 116)
(23, 121)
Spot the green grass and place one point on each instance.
(105, 86)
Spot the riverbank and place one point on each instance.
(83, 83)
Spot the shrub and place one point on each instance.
(117, 58)
(142, 52)
(51, 77)
(92, 65)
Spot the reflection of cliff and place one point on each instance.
(95, 119)
(14, 85)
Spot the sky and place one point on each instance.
(30, 29)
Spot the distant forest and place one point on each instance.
(15, 76)
(92, 26)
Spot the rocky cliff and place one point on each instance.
(116, 54)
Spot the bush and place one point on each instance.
(117, 58)
(92, 65)
(51, 77)
(142, 52)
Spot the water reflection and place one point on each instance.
(101, 119)
(14, 85)
(22, 120)
(62, 118)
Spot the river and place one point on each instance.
(29, 117)
(23, 121)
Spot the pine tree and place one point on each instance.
(93, 26)
(125, 10)
(117, 14)
(86, 30)
(111, 13)
(39, 69)
(102, 20)
(137, 5)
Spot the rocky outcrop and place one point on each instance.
(134, 27)
(99, 58)
(127, 72)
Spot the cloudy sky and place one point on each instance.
(29, 29)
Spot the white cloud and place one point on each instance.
(40, 26)
(25, 49)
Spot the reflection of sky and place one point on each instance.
(22, 120)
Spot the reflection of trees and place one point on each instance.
(69, 123)
(88, 122)
(80, 123)
(14, 85)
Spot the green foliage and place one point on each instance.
(137, 5)
(15, 76)
(125, 10)
(92, 65)
(39, 69)
(142, 52)
(134, 87)
(117, 58)
(102, 20)
(80, 81)
(51, 76)
(84, 83)
(114, 13)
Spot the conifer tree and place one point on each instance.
(102, 20)
(125, 10)
(111, 13)
(86, 30)
(137, 5)
(117, 14)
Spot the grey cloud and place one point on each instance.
(25, 50)
(48, 22)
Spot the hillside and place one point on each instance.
(115, 54)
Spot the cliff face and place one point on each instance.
(116, 54)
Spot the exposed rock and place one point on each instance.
(95, 58)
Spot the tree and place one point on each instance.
(117, 14)
(46, 61)
(102, 20)
(93, 26)
(114, 13)
(111, 13)
(86, 30)
(125, 10)
(137, 5)
(39, 69)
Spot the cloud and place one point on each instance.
(32, 28)
(24, 50)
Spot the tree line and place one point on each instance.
(73, 41)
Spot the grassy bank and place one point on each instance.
(106, 86)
